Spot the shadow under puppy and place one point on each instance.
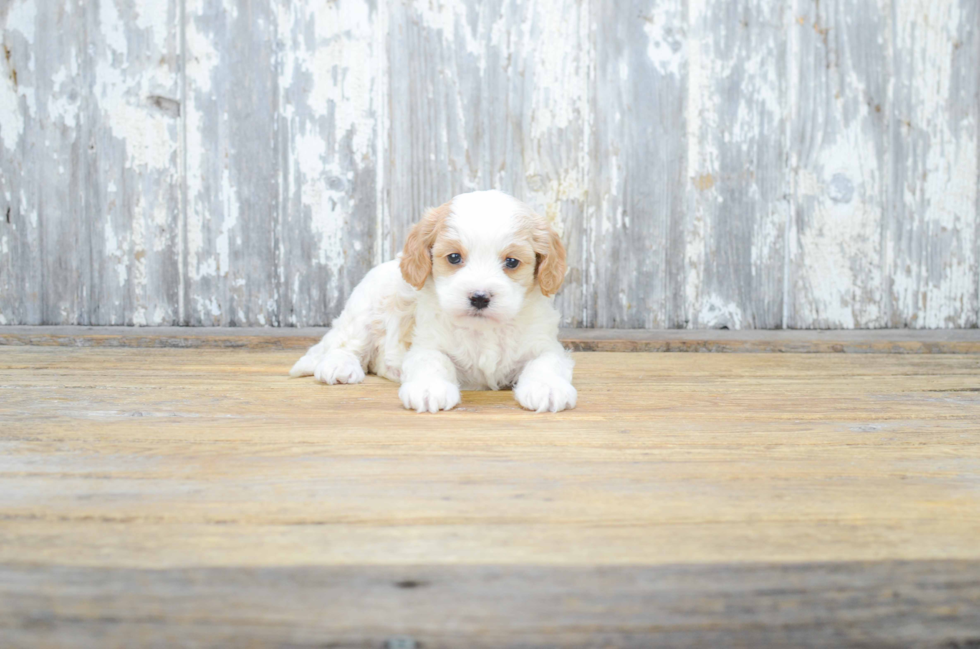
(468, 305)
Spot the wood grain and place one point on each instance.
(744, 164)
(853, 604)
(737, 99)
(933, 341)
(90, 189)
(942, 341)
(329, 66)
(231, 230)
(636, 234)
(200, 496)
(933, 224)
(839, 160)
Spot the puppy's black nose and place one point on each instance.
(479, 299)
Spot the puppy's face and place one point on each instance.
(485, 252)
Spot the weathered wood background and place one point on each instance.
(749, 163)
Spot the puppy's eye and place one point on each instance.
(455, 258)
(510, 262)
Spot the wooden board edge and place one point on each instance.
(884, 341)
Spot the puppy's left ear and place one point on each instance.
(550, 253)
(416, 262)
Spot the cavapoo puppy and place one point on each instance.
(467, 306)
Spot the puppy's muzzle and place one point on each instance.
(479, 300)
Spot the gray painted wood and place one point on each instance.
(329, 67)
(738, 206)
(840, 52)
(91, 179)
(746, 164)
(231, 248)
(932, 223)
(639, 176)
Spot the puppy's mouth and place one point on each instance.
(480, 315)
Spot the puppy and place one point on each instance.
(467, 305)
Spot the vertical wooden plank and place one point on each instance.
(232, 164)
(536, 89)
(839, 163)
(91, 182)
(91, 179)
(639, 165)
(933, 224)
(29, 46)
(737, 207)
(494, 95)
(50, 228)
(328, 78)
(130, 159)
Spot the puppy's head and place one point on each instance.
(485, 251)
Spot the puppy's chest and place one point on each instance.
(484, 360)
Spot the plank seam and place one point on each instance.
(182, 171)
(382, 245)
(976, 135)
(792, 52)
(591, 88)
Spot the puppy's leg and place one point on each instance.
(337, 358)
(307, 364)
(429, 381)
(545, 384)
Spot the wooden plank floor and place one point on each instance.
(167, 497)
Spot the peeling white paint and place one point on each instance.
(343, 51)
(161, 316)
(203, 62)
(936, 269)
(840, 243)
(450, 19)
(337, 72)
(702, 157)
(232, 209)
(113, 30)
(846, 263)
(122, 96)
(717, 312)
(560, 92)
(61, 106)
(208, 306)
(666, 34)
(327, 207)
(115, 251)
(11, 117)
(21, 17)
(151, 15)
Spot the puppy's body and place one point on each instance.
(451, 313)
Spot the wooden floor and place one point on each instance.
(171, 497)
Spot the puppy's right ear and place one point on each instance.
(416, 262)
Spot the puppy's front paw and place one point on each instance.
(429, 396)
(552, 395)
(339, 367)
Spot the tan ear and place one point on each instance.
(416, 262)
(550, 253)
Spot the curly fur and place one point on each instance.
(413, 319)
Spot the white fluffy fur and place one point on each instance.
(431, 340)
